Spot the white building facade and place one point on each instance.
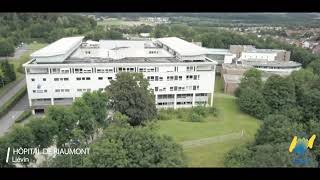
(179, 73)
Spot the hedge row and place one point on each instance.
(11, 102)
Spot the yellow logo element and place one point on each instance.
(293, 144)
(295, 140)
(311, 141)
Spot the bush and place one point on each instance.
(163, 115)
(200, 110)
(196, 117)
(24, 115)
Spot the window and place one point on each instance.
(100, 89)
(176, 78)
(45, 91)
(110, 78)
(171, 88)
(44, 79)
(32, 79)
(66, 79)
(57, 90)
(83, 78)
(78, 70)
(160, 78)
(156, 89)
(189, 68)
(67, 90)
(100, 78)
(87, 78)
(180, 78)
(56, 79)
(78, 79)
(34, 91)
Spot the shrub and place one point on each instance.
(163, 115)
(195, 117)
(24, 115)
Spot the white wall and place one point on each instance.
(205, 82)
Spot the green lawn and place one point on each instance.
(229, 120)
(218, 87)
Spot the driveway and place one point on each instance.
(11, 92)
(9, 119)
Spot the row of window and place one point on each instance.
(165, 103)
(39, 91)
(155, 78)
(61, 79)
(184, 103)
(201, 94)
(43, 79)
(78, 79)
(175, 78)
(184, 88)
(160, 89)
(83, 78)
(193, 77)
(112, 69)
(83, 90)
(62, 90)
(148, 69)
(101, 78)
(184, 95)
(165, 96)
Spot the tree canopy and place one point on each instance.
(130, 95)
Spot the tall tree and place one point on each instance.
(8, 72)
(6, 48)
(130, 95)
(84, 117)
(277, 129)
(279, 92)
(97, 102)
(66, 122)
(43, 131)
(252, 102)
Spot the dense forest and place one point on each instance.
(16, 28)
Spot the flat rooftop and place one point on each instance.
(280, 64)
(184, 48)
(74, 50)
(59, 47)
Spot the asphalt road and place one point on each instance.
(9, 119)
(6, 96)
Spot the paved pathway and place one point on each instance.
(211, 140)
(9, 119)
(12, 91)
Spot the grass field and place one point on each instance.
(229, 120)
(119, 22)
